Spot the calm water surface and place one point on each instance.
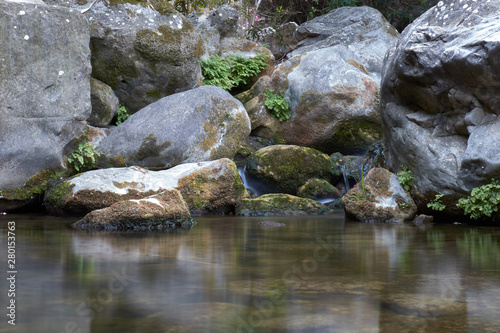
(229, 274)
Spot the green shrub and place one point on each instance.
(482, 202)
(405, 178)
(278, 105)
(436, 203)
(122, 115)
(229, 73)
(84, 158)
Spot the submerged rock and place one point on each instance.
(287, 167)
(379, 198)
(207, 187)
(201, 124)
(279, 204)
(271, 224)
(162, 211)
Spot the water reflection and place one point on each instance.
(232, 275)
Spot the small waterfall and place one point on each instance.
(346, 179)
(256, 186)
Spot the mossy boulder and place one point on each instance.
(104, 104)
(142, 54)
(165, 210)
(207, 187)
(201, 124)
(287, 167)
(279, 204)
(379, 198)
(318, 189)
(31, 194)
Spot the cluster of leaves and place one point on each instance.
(436, 203)
(122, 115)
(482, 202)
(405, 178)
(278, 105)
(84, 158)
(229, 73)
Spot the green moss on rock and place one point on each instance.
(287, 167)
(279, 204)
(34, 187)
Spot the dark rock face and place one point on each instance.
(439, 98)
(143, 55)
(44, 88)
(201, 124)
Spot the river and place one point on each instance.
(230, 274)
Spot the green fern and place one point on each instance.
(84, 158)
(122, 115)
(229, 73)
(278, 105)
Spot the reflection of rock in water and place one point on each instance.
(271, 224)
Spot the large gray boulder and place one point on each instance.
(201, 124)
(216, 25)
(333, 101)
(364, 30)
(207, 187)
(331, 83)
(44, 88)
(142, 54)
(440, 101)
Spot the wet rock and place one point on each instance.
(207, 187)
(201, 124)
(440, 101)
(166, 210)
(423, 220)
(287, 167)
(379, 198)
(318, 189)
(279, 204)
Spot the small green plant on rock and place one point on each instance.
(122, 115)
(405, 178)
(436, 203)
(84, 158)
(278, 105)
(482, 202)
(229, 73)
